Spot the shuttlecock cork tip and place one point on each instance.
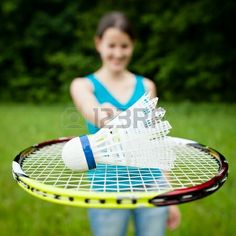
(77, 154)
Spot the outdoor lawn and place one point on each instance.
(22, 125)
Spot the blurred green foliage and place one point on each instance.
(187, 48)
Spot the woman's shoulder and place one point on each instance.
(148, 82)
(150, 86)
(80, 83)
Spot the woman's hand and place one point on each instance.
(174, 217)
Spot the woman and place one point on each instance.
(97, 96)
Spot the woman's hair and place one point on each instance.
(115, 20)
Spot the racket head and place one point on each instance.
(40, 171)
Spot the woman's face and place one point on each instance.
(115, 48)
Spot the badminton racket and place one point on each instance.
(198, 171)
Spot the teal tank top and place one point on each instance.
(103, 96)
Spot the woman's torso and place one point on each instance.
(103, 95)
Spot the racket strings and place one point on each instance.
(110, 178)
(191, 167)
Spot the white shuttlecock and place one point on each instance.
(135, 137)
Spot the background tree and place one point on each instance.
(186, 48)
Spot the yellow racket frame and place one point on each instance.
(86, 199)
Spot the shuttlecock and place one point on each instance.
(135, 137)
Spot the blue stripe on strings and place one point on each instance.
(88, 152)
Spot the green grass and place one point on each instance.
(24, 125)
